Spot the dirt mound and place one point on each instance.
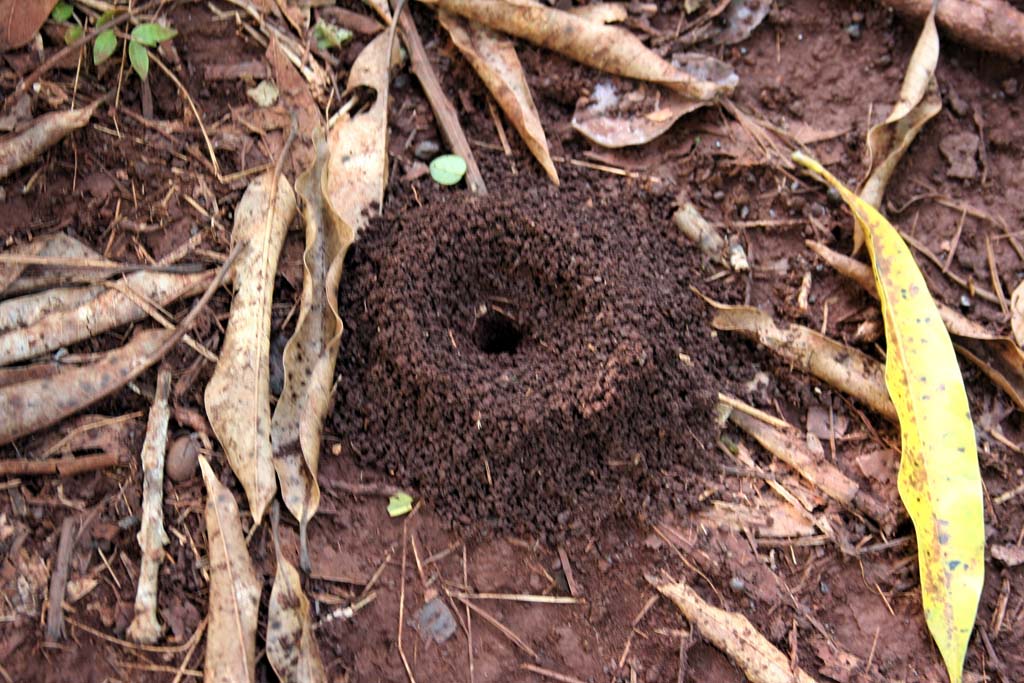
(532, 361)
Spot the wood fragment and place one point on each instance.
(563, 557)
(59, 580)
(64, 467)
(990, 25)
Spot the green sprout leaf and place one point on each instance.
(73, 33)
(138, 55)
(448, 169)
(329, 36)
(151, 35)
(62, 11)
(104, 46)
(399, 504)
(106, 16)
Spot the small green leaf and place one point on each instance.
(73, 33)
(448, 169)
(329, 36)
(106, 16)
(62, 11)
(152, 34)
(104, 46)
(138, 55)
(399, 504)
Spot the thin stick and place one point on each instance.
(548, 673)
(956, 241)
(505, 630)
(447, 118)
(401, 604)
(469, 618)
(542, 599)
(993, 269)
(65, 467)
(96, 264)
(570, 580)
(59, 580)
(739, 405)
(195, 112)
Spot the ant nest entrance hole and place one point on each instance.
(496, 330)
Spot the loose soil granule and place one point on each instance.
(532, 361)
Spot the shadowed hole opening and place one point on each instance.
(495, 331)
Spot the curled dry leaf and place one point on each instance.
(607, 48)
(844, 367)
(234, 589)
(623, 114)
(20, 20)
(22, 148)
(940, 478)
(919, 101)
(999, 357)
(145, 627)
(291, 645)
(32, 405)
(733, 634)
(20, 277)
(494, 59)
(238, 395)
(66, 322)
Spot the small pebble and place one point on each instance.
(833, 196)
(824, 588)
(182, 458)
(854, 30)
(744, 212)
(718, 195)
(426, 150)
(965, 303)
(737, 584)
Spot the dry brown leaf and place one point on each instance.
(35, 404)
(601, 12)
(733, 634)
(1010, 555)
(19, 278)
(357, 170)
(642, 113)
(607, 48)
(70, 323)
(1017, 314)
(22, 311)
(381, 8)
(296, 97)
(22, 148)
(20, 20)
(145, 627)
(999, 357)
(494, 59)
(846, 368)
(919, 101)
(234, 589)
(238, 395)
(291, 645)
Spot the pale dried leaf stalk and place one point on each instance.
(234, 589)
(19, 278)
(291, 645)
(494, 59)
(47, 130)
(238, 395)
(22, 311)
(67, 323)
(145, 627)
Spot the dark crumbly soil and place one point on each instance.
(530, 361)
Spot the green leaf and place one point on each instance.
(448, 169)
(73, 33)
(62, 11)
(106, 16)
(104, 46)
(329, 36)
(399, 504)
(152, 34)
(139, 57)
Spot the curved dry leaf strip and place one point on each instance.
(291, 646)
(607, 48)
(21, 149)
(734, 635)
(234, 589)
(32, 405)
(940, 479)
(999, 357)
(844, 367)
(238, 395)
(145, 627)
(1017, 314)
(26, 310)
(19, 278)
(918, 102)
(494, 59)
(104, 312)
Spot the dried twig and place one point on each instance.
(59, 580)
(64, 467)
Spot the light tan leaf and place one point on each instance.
(918, 102)
(381, 8)
(32, 405)
(357, 170)
(291, 645)
(1017, 314)
(18, 277)
(20, 20)
(53, 320)
(22, 148)
(234, 589)
(844, 367)
(607, 48)
(733, 634)
(145, 627)
(601, 12)
(494, 59)
(238, 395)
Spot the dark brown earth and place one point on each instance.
(832, 66)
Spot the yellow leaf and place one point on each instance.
(939, 481)
(237, 397)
